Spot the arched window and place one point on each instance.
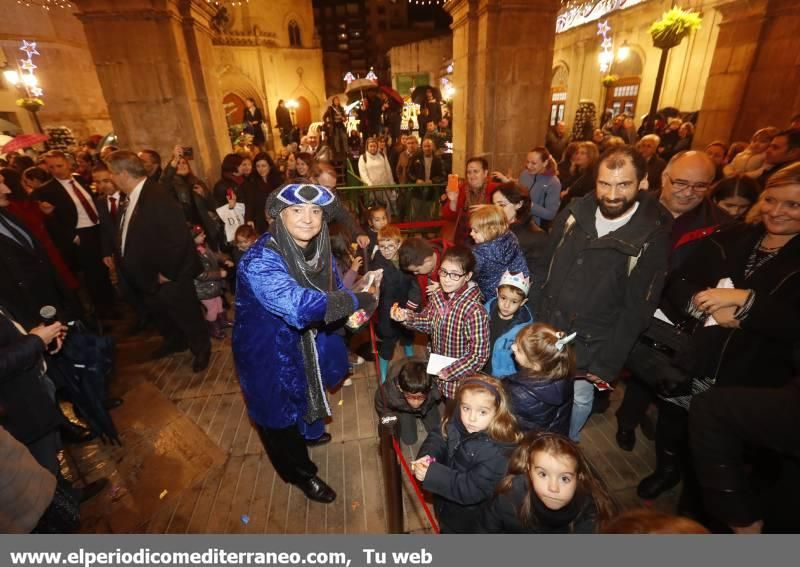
(294, 35)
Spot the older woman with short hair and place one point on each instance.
(289, 303)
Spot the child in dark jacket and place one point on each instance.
(408, 394)
(210, 285)
(462, 464)
(508, 314)
(540, 394)
(549, 489)
(397, 287)
(496, 248)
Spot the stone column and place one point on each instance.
(153, 59)
(503, 58)
(755, 72)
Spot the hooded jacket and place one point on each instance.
(605, 289)
(389, 399)
(540, 404)
(502, 359)
(467, 469)
(494, 257)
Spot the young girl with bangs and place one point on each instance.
(462, 464)
(549, 489)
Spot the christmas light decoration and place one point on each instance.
(606, 56)
(371, 76)
(349, 77)
(46, 4)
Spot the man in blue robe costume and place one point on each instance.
(289, 302)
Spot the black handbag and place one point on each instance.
(652, 357)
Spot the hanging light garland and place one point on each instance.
(428, 2)
(225, 3)
(46, 4)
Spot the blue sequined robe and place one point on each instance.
(272, 310)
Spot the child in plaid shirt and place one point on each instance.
(455, 320)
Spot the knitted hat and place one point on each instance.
(519, 281)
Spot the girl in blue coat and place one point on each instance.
(496, 248)
(508, 314)
(289, 303)
(462, 464)
(540, 394)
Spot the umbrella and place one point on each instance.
(393, 94)
(419, 96)
(24, 141)
(342, 99)
(82, 369)
(360, 84)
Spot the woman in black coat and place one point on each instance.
(254, 121)
(582, 171)
(28, 408)
(264, 179)
(756, 330)
(192, 193)
(516, 204)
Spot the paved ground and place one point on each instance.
(192, 463)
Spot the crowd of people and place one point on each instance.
(624, 259)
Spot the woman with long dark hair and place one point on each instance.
(193, 195)
(264, 179)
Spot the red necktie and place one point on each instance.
(113, 208)
(84, 203)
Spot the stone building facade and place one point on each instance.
(420, 62)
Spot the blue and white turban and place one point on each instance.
(301, 194)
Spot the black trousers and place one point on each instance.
(90, 263)
(728, 423)
(635, 402)
(287, 450)
(177, 314)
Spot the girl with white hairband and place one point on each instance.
(540, 394)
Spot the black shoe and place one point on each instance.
(92, 489)
(321, 440)
(201, 361)
(626, 439)
(73, 434)
(166, 350)
(665, 478)
(315, 489)
(113, 403)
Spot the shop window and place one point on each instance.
(558, 103)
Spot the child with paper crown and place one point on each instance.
(508, 314)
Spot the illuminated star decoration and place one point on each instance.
(606, 46)
(29, 47)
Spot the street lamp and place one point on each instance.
(26, 83)
(292, 105)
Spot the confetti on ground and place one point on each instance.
(163, 494)
(355, 504)
(117, 492)
(341, 402)
(245, 519)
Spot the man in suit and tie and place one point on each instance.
(157, 257)
(74, 225)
